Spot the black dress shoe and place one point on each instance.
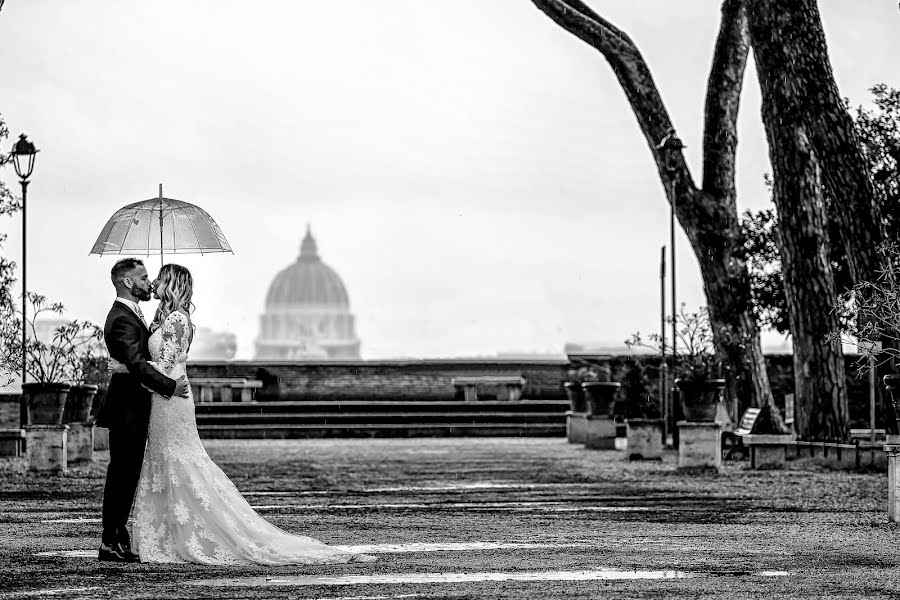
(115, 553)
(110, 553)
(130, 556)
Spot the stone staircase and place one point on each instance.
(381, 418)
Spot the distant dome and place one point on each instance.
(307, 314)
(307, 282)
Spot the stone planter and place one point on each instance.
(79, 404)
(45, 447)
(80, 442)
(600, 432)
(699, 398)
(576, 427)
(576, 396)
(644, 439)
(700, 446)
(892, 450)
(45, 402)
(600, 396)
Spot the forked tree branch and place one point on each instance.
(723, 96)
(633, 74)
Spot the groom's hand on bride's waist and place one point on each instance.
(181, 387)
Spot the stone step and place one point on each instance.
(496, 429)
(383, 406)
(378, 418)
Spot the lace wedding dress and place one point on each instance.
(186, 509)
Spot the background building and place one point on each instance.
(307, 312)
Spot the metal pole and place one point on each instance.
(160, 227)
(872, 399)
(24, 183)
(663, 366)
(670, 394)
(672, 246)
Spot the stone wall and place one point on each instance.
(384, 380)
(431, 380)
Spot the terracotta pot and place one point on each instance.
(45, 402)
(600, 396)
(79, 403)
(699, 398)
(576, 396)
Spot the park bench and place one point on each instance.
(864, 436)
(733, 447)
(221, 389)
(511, 387)
(12, 441)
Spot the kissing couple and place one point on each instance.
(185, 509)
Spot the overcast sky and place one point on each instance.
(472, 171)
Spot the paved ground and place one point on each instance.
(484, 518)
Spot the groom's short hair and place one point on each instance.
(123, 267)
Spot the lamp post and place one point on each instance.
(670, 148)
(23, 154)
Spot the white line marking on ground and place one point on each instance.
(49, 592)
(395, 578)
(537, 506)
(383, 548)
(373, 597)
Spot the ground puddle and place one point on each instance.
(382, 548)
(398, 578)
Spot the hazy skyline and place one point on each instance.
(472, 171)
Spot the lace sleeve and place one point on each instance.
(175, 332)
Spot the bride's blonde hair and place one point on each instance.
(176, 290)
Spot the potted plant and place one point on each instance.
(89, 375)
(696, 364)
(52, 365)
(576, 377)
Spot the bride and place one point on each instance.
(186, 508)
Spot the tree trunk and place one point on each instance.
(790, 42)
(802, 236)
(708, 216)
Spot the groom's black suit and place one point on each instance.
(126, 412)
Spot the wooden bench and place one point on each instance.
(12, 442)
(510, 386)
(205, 388)
(732, 441)
(862, 436)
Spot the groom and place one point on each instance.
(126, 408)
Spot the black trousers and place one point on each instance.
(126, 455)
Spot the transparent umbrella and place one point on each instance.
(162, 225)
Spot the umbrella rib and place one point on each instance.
(128, 230)
(196, 237)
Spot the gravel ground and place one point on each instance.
(803, 532)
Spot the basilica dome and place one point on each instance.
(307, 312)
(307, 282)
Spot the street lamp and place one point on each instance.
(670, 149)
(23, 154)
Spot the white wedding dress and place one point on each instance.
(186, 509)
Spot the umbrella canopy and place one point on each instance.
(161, 225)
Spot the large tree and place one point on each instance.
(878, 131)
(708, 213)
(812, 142)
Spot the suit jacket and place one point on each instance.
(127, 401)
